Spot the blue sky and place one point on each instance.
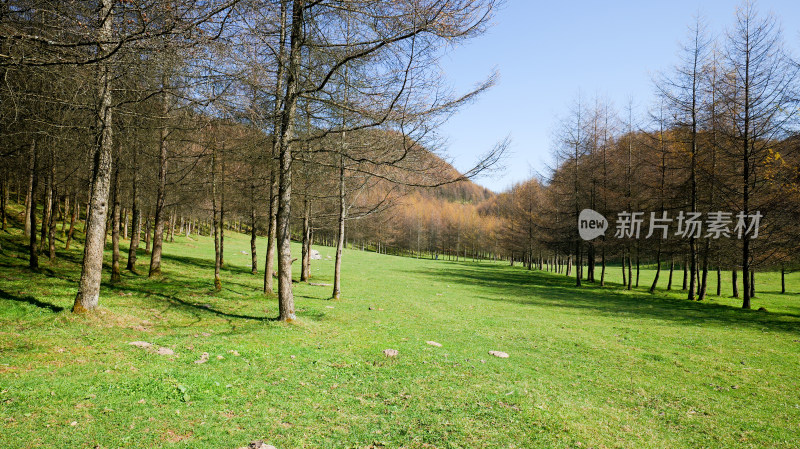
(548, 52)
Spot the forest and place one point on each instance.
(238, 223)
(147, 119)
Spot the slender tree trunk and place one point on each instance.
(216, 221)
(115, 275)
(31, 188)
(147, 227)
(719, 281)
(158, 232)
(685, 274)
(752, 283)
(269, 263)
(285, 295)
(76, 210)
(671, 271)
(783, 279)
(47, 206)
(658, 269)
(704, 279)
(603, 267)
(3, 199)
(734, 283)
(51, 238)
(89, 289)
(136, 223)
(64, 215)
(630, 270)
(340, 234)
(253, 228)
(624, 275)
(221, 227)
(305, 270)
(33, 262)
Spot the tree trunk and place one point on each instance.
(76, 210)
(215, 220)
(147, 226)
(253, 227)
(752, 283)
(285, 295)
(734, 283)
(31, 189)
(685, 274)
(337, 273)
(783, 280)
(33, 262)
(658, 269)
(158, 232)
(47, 206)
(603, 267)
(89, 289)
(115, 213)
(701, 295)
(305, 267)
(221, 225)
(671, 271)
(269, 263)
(51, 238)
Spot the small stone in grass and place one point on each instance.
(219, 357)
(433, 343)
(328, 307)
(292, 356)
(391, 352)
(500, 354)
(165, 351)
(73, 423)
(259, 445)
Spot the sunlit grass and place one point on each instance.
(591, 367)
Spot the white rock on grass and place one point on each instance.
(500, 354)
(391, 352)
(433, 343)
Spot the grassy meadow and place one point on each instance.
(590, 367)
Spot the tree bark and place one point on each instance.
(671, 271)
(89, 288)
(158, 232)
(215, 220)
(76, 210)
(31, 188)
(337, 270)
(115, 218)
(285, 295)
(306, 254)
(33, 262)
(136, 223)
(734, 283)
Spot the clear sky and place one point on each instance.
(548, 52)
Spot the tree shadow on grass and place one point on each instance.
(31, 300)
(538, 288)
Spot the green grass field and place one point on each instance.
(590, 367)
